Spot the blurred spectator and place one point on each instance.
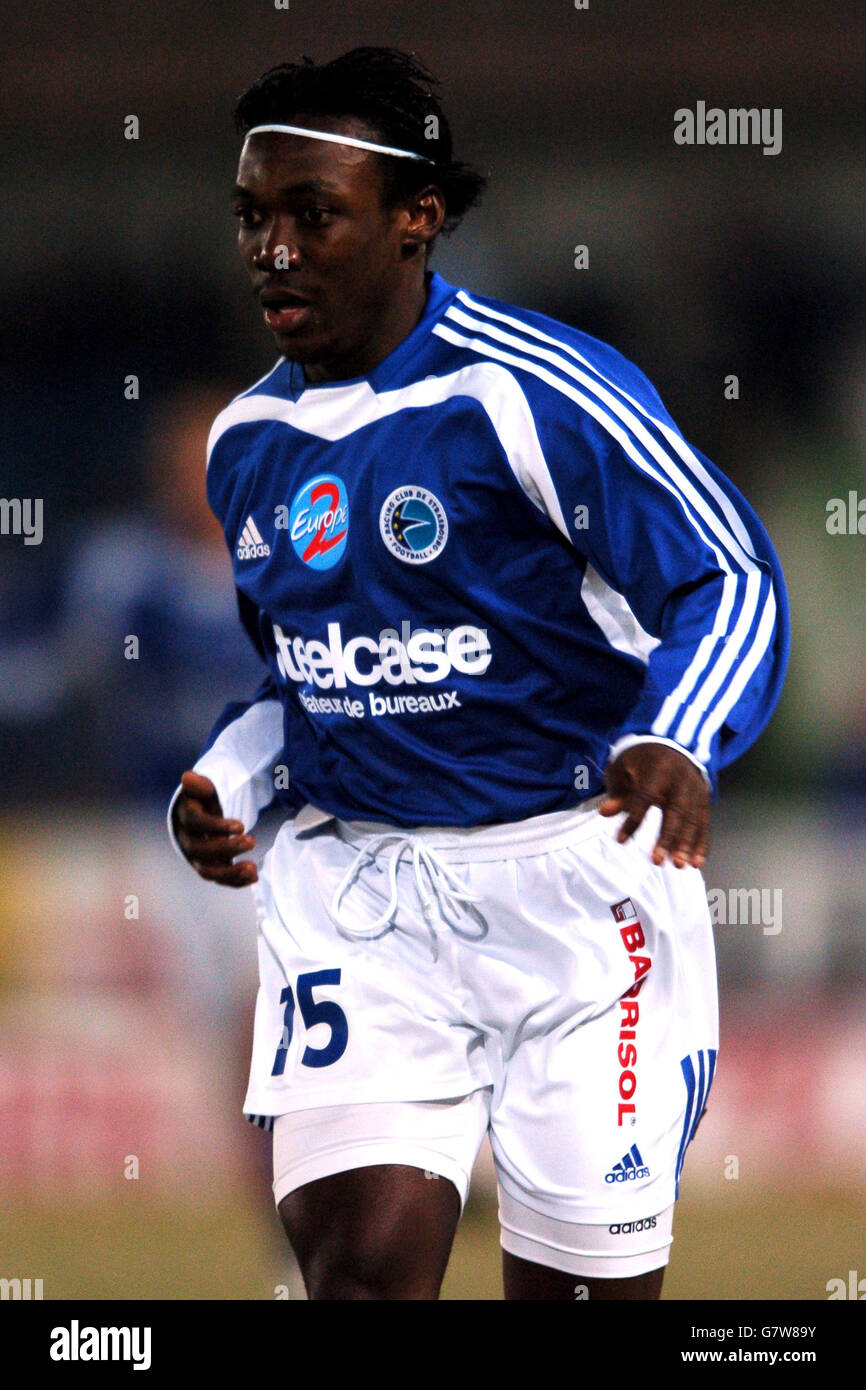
(110, 722)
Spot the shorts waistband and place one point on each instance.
(473, 844)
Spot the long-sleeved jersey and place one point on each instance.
(473, 571)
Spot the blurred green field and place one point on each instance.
(765, 1247)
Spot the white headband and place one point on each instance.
(341, 140)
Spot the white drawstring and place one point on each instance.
(447, 887)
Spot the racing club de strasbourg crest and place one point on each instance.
(413, 524)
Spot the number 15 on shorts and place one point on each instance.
(312, 1012)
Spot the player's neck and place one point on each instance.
(395, 324)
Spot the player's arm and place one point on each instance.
(220, 800)
(709, 683)
(654, 774)
(711, 680)
(206, 839)
(677, 550)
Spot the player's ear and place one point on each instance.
(425, 213)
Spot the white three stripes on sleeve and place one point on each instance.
(719, 650)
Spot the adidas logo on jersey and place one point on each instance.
(251, 546)
(630, 1167)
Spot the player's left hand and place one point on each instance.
(652, 774)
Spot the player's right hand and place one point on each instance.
(208, 841)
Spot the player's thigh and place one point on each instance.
(370, 1194)
(380, 1232)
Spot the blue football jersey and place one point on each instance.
(473, 571)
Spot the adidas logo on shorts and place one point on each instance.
(630, 1167)
(631, 1228)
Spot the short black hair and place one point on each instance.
(392, 92)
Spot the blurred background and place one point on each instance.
(126, 984)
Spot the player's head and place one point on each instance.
(355, 224)
(393, 95)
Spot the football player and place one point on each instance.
(512, 626)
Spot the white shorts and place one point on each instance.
(562, 980)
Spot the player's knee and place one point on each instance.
(342, 1285)
(372, 1271)
(385, 1256)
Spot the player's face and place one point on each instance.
(329, 262)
